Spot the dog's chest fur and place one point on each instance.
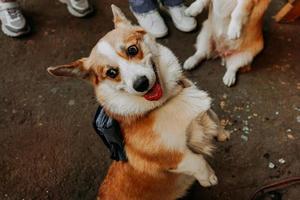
(158, 140)
(173, 119)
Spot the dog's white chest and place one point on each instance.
(173, 119)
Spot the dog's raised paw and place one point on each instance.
(211, 181)
(190, 63)
(234, 31)
(229, 78)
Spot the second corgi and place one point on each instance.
(233, 31)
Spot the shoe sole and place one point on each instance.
(185, 29)
(10, 33)
(76, 13)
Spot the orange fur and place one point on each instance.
(141, 141)
(124, 182)
(252, 40)
(147, 169)
(245, 69)
(123, 38)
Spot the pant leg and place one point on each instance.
(143, 6)
(172, 3)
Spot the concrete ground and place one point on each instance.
(50, 151)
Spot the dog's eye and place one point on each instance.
(112, 73)
(132, 50)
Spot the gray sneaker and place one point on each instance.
(13, 22)
(78, 8)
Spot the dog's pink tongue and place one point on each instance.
(155, 93)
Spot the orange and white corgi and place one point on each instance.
(167, 124)
(233, 31)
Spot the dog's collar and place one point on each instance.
(109, 131)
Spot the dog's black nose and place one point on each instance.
(141, 84)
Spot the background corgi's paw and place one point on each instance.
(211, 181)
(190, 63)
(229, 78)
(234, 31)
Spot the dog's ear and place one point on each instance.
(119, 17)
(75, 69)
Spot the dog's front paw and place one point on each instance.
(211, 181)
(229, 78)
(234, 31)
(190, 63)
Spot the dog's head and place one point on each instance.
(131, 73)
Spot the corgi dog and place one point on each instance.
(233, 31)
(166, 122)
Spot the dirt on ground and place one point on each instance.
(49, 149)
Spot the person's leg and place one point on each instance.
(148, 17)
(172, 3)
(78, 8)
(13, 22)
(182, 22)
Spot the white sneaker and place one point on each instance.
(78, 8)
(13, 22)
(181, 21)
(152, 22)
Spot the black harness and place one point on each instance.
(109, 131)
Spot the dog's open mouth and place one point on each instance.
(156, 92)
